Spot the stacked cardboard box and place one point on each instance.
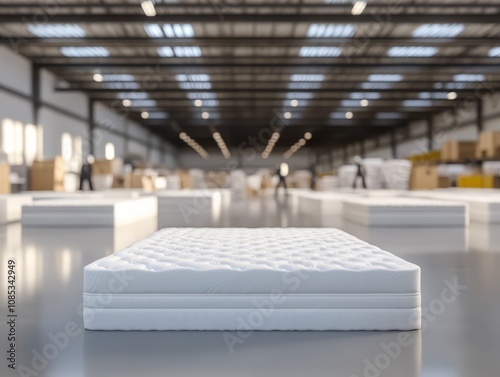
(48, 175)
(4, 179)
(488, 146)
(478, 181)
(426, 177)
(458, 151)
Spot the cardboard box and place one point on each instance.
(488, 146)
(141, 181)
(121, 181)
(426, 177)
(4, 179)
(104, 167)
(458, 151)
(186, 181)
(48, 175)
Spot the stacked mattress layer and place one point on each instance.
(11, 207)
(89, 212)
(323, 203)
(484, 206)
(269, 278)
(399, 211)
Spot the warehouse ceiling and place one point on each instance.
(331, 68)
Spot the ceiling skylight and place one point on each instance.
(44, 30)
(376, 85)
(117, 77)
(390, 77)
(169, 30)
(438, 30)
(299, 95)
(209, 103)
(202, 95)
(180, 51)
(360, 96)
(190, 85)
(350, 103)
(85, 52)
(320, 51)
(143, 103)
(307, 77)
(194, 77)
(121, 85)
(337, 115)
(288, 103)
(304, 85)
(132, 95)
(436, 95)
(178, 30)
(472, 77)
(412, 51)
(331, 31)
(417, 103)
(451, 85)
(494, 52)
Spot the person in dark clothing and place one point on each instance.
(282, 172)
(86, 173)
(359, 173)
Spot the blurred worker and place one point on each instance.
(86, 172)
(282, 173)
(359, 174)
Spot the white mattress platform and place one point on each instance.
(251, 279)
(400, 212)
(89, 212)
(11, 207)
(187, 207)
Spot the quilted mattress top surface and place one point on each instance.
(261, 260)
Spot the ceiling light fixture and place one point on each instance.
(270, 145)
(308, 136)
(349, 115)
(294, 103)
(331, 31)
(126, 103)
(205, 115)
(222, 145)
(148, 7)
(295, 147)
(144, 115)
(452, 95)
(364, 102)
(198, 103)
(287, 115)
(358, 7)
(97, 77)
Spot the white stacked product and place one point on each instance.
(302, 179)
(399, 211)
(238, 184)
(89, 212)
(346, 174)
(57, 195)
(326, 205)
(102, 181)
(396, 174)
(265, 278)
(197, 178)
(491, 167)
(124, 193)
(11, 207)
(328, 183)
(484, 206)
(173, 182)
(372, 169)
(185, 207)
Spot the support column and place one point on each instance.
(394, 145)
(430, 134)
(91, 125)
(479, 115)
(35, 93)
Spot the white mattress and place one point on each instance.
(183, 207)
(57, 195)
(210, 278)
(484, 206)
(11, 207)
(89, 212)
(398, 211)
(322, 203)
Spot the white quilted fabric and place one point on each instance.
(240, 260)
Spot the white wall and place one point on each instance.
(62, 112)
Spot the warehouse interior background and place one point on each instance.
(195, 113)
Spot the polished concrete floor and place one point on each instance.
(461, 336)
